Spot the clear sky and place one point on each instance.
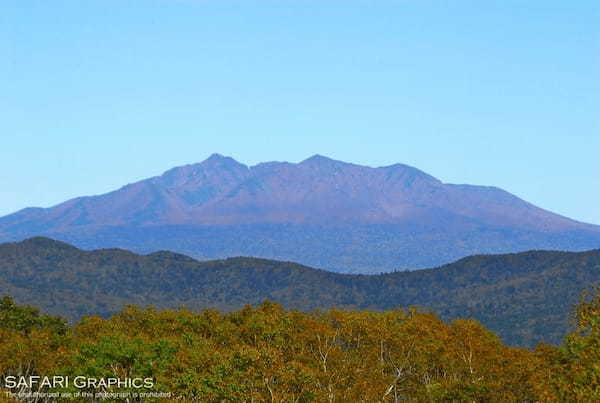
(95, 94)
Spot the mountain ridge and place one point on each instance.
(537, 288)
(352, 208)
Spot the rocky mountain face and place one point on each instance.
(322, 212)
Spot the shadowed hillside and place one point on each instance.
(537, 288)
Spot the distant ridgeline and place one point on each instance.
(525, 297)
(320, 212)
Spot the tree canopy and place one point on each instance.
(268, 353)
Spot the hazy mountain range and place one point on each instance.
(525, 297)
(325, 213)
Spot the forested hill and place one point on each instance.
(525, 297)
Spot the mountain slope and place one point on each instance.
(321, 212)
(536, 288)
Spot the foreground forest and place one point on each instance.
(273, 355)
(525, 297)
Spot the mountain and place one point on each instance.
(320, 212)
(525, 297)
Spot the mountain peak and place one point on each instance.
(317, 158)
(321, 160)
(219, 158)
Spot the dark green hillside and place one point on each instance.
(536, 288)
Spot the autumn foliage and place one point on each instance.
(269, 354)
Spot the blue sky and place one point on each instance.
(99, 93)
